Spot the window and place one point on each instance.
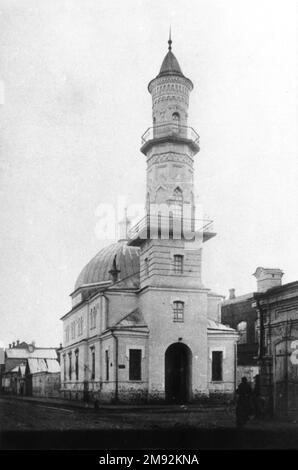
(69, 365)
(64, 367)
(135, 362)
(67, 333)
(107, 365)
(242, 330)
(92, 363)
(178, 264)
(73, 330)
(176, 117)
(93, 314)
(77, 364)
(217, 366)
(178, 308)
(146, 267)
(178, 203)
(80, 326)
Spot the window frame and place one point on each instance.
(178, 263)
(242, 332)
(135, 366)
(178, 311)
(77, 364)
(214, 378)
(107, 365)
(70, 365)
(92, 350)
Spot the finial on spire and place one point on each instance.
(170, 40)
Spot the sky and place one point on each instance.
(74, 104)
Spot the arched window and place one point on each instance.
(178, 311)
(176, 117)
(242, 330)
(177, 202)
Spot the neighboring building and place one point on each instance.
(31, 371)
(270, 338)
(239, 313)
(42, 377)
(142, 325)
(277, 308)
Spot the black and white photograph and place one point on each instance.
(149, 228)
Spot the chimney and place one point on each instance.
(268, 278)
(9, 345)
(232, 294)
(18, 342)
(13, 344)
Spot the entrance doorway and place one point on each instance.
(178, 362)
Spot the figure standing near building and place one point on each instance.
(243, 406)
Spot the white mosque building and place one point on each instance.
(143, 327)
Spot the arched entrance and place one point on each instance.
(178, 361)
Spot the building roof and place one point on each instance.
(38, 353)
(53, 366)
(20, 368)
(213, 325)
(43, 365)
(238, 299)
(127, 260)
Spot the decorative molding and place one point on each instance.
(170, 157)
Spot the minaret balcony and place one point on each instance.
(171, 227)
(170, 132)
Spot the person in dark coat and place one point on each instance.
(243, 406)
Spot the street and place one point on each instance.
(37, 425)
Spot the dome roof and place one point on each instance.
(170, 66)
(125, 258)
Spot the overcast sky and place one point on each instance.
(74, 78)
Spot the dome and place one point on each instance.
(125, 258)
(170, 66)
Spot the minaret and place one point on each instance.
(172, 297)
(169, 229)
(170, 144)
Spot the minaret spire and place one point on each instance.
(170, 40)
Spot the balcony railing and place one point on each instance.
(171, 129)
(174, 227)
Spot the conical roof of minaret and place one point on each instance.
(170, 65)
